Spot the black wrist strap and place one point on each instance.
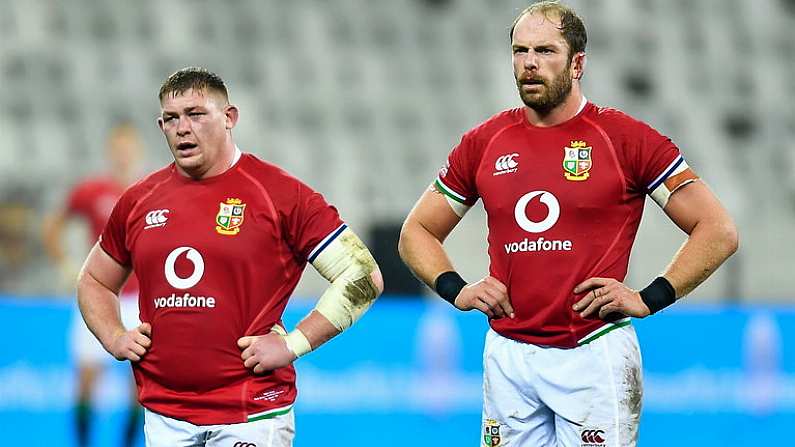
(658, 295)
(448, 285)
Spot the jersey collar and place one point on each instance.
(238, 154)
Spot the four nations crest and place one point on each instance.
(230, 217)
(577, 161)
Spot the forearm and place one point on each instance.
(99, 307)
(317, 329)
(707, 247)
(355, 283)
(423, 253)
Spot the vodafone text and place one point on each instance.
(539, 244)
(186, 300)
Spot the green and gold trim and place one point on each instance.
(449, 192)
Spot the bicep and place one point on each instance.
(433, 213)
(101, 267)
(694, 203)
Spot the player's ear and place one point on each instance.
(578, 65)
(160, 123)
(232, 115)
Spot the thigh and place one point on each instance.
(277, 431)
(512, 413)
(611, 394)
(162, 431)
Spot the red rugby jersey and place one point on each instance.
(217, 259)
(93, 200)
(563, 204)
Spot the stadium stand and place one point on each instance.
(364, 99)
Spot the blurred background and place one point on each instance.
(363, 100)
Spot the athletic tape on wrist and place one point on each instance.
(448, 285)
(296, 341)
(658, 295)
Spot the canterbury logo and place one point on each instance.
(156, 218)
(198, 268)
(593, 437)
(520, 212)
(506, 164)
(244, 444)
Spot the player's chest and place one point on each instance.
(577, 170)
(229, 223)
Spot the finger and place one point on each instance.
(590, 283)
(493, 304)
(496, 283)
(133, 357)
(483, 307)
(143, 340)
(244, 342)
(501, 304)
(505, 303)
(259, 369)
(138, 349)
(609, 308)
(250, 362)
(586, 300)
(595, 305)
(145, 328)
(248, 352)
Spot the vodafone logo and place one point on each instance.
(198, 268)
(540, 243)
(520, 212)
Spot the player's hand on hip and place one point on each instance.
(265, 352)
(488, 295)
(132, 344)
(606, 296)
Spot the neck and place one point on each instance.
(563, 112)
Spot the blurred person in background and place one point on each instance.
(91, 201)
(17, 238)
(563, 182)
(219, 240)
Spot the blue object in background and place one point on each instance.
(410, 373)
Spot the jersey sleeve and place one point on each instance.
(660, 168)
(456, 179)
(113, 239)
(312, 224)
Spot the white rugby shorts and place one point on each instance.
(162, 431)
(588, 396)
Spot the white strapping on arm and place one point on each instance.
(673, 177)
(347, 264)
